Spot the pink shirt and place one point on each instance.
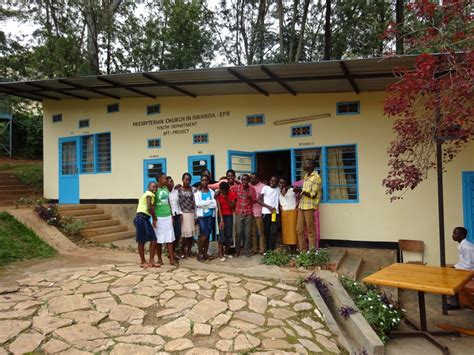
(257, 208)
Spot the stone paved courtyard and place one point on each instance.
(123, 309)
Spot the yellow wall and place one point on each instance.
(374, 218)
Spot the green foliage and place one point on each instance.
(27, 133)
(5, 166)
(17, 242)
(379, 311)
(31, 175)
(315, 257)
(24, 201)
(276, 257)
(71, 226)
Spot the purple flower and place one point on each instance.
(346, 311)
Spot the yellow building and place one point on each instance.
(105, 137)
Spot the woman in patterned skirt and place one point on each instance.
(188, 210)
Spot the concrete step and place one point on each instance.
(9, 179)
(78, 213)
(14, 186)
(100, 224)
(93, 232)
(94, 217)
(63, 208)
(350, 266)
(106, 238)
(8, 202)
(17, 192)
(336, 256)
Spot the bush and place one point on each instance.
(71, 226)
(31, 175)
(315, 257)
(49, 213)
(382, 314)
(275, 257)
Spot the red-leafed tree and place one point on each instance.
(432, 103)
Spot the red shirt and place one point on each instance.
(226, 210)
(245, 200)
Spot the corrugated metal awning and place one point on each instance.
(372, 74)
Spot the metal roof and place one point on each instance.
(372, 74)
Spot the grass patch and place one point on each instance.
(18, 242)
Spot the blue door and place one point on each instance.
(468, 203)
(151, 169)
(69, 170)
(241, 162)
(197, 164)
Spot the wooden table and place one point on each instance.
(422, 278)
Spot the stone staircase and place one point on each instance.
(12, 189)
(100, 227)
(357, 263)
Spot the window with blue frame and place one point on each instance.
(348, 108)
(113, 108)
(87, 154)
(153, 109)
(154, 143)
(103, 157)
(57, 118)
(337, 166)
(201, 138)
(301, 131)
(256, 120)
(95, 153)
(84, 123)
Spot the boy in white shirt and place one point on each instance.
(269, 199)
(466, 262)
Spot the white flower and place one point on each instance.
(371, 307)
(384, 306)
(381, 323)
(404, 310)
(390, 305)
(355, 283)
(369, 299)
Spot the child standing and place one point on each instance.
(176, 213)
(289, 215)
(243, 214)
(225, 203)
(145, 232)
(164, 224)
(205, 211)
(269, 199)
(188, 210)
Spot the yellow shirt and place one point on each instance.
(311, 184)
(142, 206)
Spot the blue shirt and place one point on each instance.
(206, 196)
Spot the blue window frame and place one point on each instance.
(154, 143)
(338, 167)
(95, 153)
(103, 153)
(200, 138)
(153, 109)
(113, 108)
(57, 118)
(255, 120)
(87, 154)
(84, 123)
(302, 131)
(348, 108)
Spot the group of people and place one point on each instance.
(248, 211)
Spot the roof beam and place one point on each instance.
(278, 80)
(243, 79)
(77, 86)
(13, 92)
(349, 77)
(126, 87)
(45, 88)
(171, 86)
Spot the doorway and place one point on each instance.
(274, 163)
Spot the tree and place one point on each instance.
(432, 102)
(188, 40)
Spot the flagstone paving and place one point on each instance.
(123, 309)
